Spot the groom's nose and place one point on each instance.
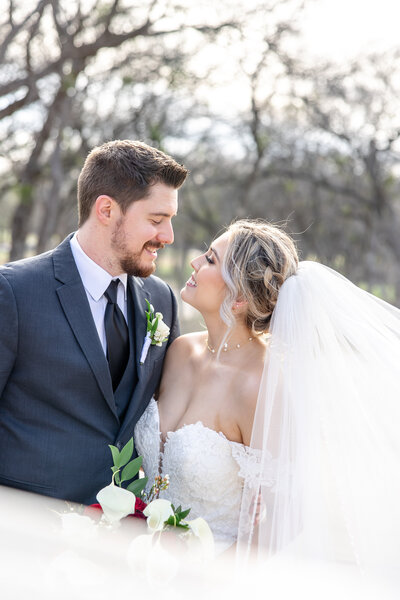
(166, 233)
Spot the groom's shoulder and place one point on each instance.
(26, 267)
(37, 274)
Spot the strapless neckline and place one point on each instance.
(185, 426)
(206, 470)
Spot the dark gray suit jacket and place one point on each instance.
(57, 407)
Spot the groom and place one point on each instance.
(73, 323)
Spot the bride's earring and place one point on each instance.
(238, 304)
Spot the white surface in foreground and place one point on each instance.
(40, 559)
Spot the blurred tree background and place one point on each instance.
(223, 88)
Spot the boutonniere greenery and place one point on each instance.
(157, 331)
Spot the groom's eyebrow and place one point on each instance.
(162, 214)
(214, 252)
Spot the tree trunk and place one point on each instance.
(21, 221)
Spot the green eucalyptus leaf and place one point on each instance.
(172, 523)
(115, 454)
(184, 514)
(117, 478)
(137, 486)
(126, 453)
(131, 469)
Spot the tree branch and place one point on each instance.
(15, 29)
(317, 181)
(106, 39)
(14, 106)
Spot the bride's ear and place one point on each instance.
(240, 305)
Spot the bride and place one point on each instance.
(287, 442)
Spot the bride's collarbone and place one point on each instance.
(212, 403)
(197, 383)
(201, 383)
(210, 393)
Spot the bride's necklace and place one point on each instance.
(225, 347)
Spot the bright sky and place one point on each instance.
(334, 30)
(340, 29)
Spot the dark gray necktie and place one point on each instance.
(117, 335)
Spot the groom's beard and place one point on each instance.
(132, 263)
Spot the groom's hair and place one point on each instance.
(125, 170)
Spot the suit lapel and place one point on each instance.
(76, 307)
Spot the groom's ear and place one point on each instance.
(104, 207)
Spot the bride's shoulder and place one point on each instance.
(189, 342)
(186, 346)
(179, 361)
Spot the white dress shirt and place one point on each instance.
(95, 281)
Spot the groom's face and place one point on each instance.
(145, 227)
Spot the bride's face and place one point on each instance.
(206, 289)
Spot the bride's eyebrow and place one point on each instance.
(214, 252)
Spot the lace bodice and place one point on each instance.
(206, 471)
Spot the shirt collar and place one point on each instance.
(94, 278)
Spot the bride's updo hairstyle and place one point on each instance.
(259, 258)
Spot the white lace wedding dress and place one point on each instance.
(206, 471)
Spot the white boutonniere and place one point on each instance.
(157, 331)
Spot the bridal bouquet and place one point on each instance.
(99, 544)
(167, 525)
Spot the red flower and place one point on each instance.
(138, 514)
(139, 508)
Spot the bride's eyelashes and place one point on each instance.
(209, 259)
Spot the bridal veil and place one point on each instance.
(326, 433)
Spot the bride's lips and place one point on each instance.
(191, 282)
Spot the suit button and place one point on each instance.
(119, 445)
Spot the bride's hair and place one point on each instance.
(259, 258)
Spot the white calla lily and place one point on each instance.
(157, 512)
(201, 530)
(116, 502)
